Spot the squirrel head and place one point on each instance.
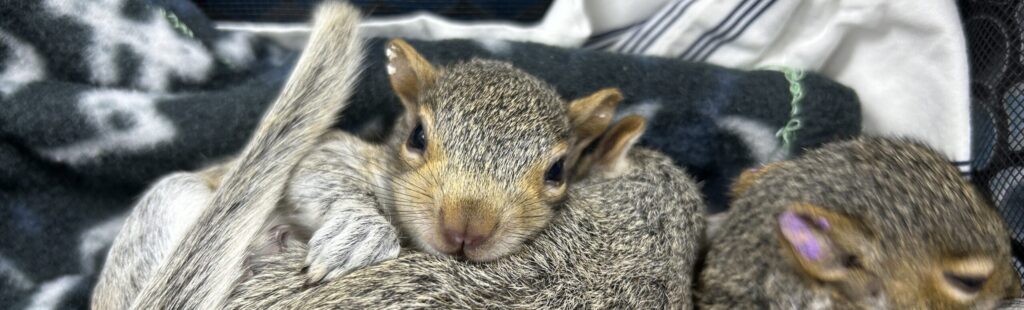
(485, 152)
(879, 223)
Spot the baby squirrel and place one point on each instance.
(627, 238)
(873, 223)
(476, 166)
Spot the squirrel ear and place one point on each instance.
(616, 142)
(748, 178)
(591, 115)
(408, 71)
(823, 243)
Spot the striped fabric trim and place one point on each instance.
(644, 40)
(727, 30)
(644, 34)
(639, 37)
(608, 38)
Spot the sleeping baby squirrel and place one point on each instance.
(476, 165)
(871, 223)
(626, 239)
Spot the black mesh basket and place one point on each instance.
(995, 38)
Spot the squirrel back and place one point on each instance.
(867, 223)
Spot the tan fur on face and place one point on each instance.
(625, 243)
(974, 266)
(492, 133)
(433, 193)
(534, 185)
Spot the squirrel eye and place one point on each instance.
(967, 283)
(554, 176)
(851, 262)
(418, 139)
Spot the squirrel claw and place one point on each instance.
(310, 282)
(314, 275)
(348, 242)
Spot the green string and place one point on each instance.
(182, 28)
(788, 132)
(176, 23)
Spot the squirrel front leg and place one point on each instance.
(337, 193)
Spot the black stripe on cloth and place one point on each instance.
(647, 26)
(742, 29)
(645, 42)
(707, 35)
(609, 37)
(740, 15)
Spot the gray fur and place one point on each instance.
(627, 242)
(479, 110)
(492, 122)
(341, 193)
(520, 116)
(1015, 304)
(917, 207)
(203, 267)
(140, 247)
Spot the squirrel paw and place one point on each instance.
(348, 241)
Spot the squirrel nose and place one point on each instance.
(466, 240)
(466, 225)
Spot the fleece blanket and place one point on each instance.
(100, 98)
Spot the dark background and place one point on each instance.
(524, 11)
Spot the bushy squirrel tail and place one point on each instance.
(201, 272)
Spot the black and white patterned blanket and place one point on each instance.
(99, 98)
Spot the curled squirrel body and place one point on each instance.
(872, 223)
(627, 238)
(477, 166)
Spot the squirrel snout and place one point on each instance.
(464, 239)
(466, 229)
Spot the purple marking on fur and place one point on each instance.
(800, 235)
(822, 223)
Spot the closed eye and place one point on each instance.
(969, 284)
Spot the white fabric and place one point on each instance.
(567, 23)
(907, 60)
